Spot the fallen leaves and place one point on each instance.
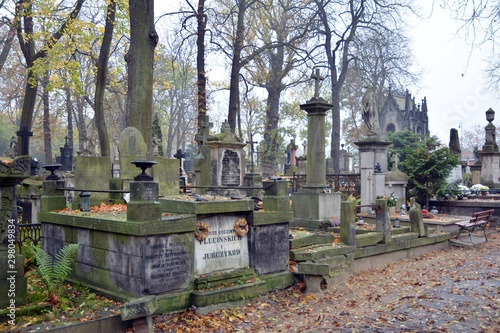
(453, 290)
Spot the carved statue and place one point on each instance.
(370, 112)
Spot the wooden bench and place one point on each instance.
(478, 220)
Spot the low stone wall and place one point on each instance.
(468, 206)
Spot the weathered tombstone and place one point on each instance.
(396, 181)
(383, 222)
(347, 223)
(92, 173)
(416, 220)
(454, 147)
(66, 157)
(131, 147)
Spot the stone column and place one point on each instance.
(316, 167)
(143, 204)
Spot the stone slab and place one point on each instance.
(139, 307)
(270, 248)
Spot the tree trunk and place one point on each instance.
(200, 66)
(69, 112)
(234, 85)
(80, 123)
(271, 137)
(47, 139)
(140, 60)
(102, 69)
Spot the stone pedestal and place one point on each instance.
(253, 180)
(490, 169)
(143, 204)
(52, 198)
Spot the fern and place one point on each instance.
(64, 259)
(53, 274)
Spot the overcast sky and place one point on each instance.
(453, 79)
(454, 82)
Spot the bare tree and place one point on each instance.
(480, 22)
(339, 23)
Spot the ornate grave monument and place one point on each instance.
(490, 154)
(372, 155)
(311, 205)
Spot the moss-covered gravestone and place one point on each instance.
(131, 147)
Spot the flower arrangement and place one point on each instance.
(392, 200)
(479, 188)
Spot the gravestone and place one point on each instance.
(166, 174)
(66, 158)
(396, 181)
(131, 147)
(270, 248)
(454, 147)
(92, 173)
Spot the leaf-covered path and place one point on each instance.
(453, 290)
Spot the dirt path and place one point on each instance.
(454, 290)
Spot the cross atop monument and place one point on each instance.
(395, 161)
(316, 77)
(251, 142)
(24, 134)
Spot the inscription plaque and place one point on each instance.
(230, 169)
(167, 265)
(222, 250)
(271, 248)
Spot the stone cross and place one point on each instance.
(251, 142)
(316, 77)
(179, 155)
(25, 141)
(395, 160)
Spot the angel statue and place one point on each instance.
(370, 112)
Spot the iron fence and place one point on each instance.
(28, 233)
(344, 183)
